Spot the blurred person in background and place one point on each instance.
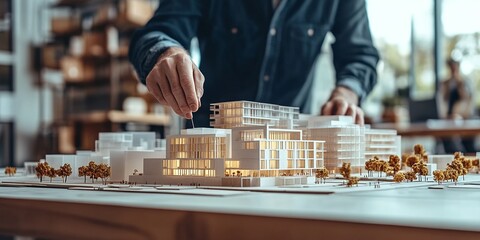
(457, 99)
(256, 50)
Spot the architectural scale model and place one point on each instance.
(257, 144)
(261, 145)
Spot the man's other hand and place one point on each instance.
(343, 101)
(175, 81)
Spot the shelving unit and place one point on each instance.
(89, 46)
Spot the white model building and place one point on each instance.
(381, 143)
(260, 149)
(344, 141)
(124, 162)
(109, 141)
(246, 113)
(123, 151)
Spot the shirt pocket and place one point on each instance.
(307, 37)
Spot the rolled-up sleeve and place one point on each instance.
(174, 23)
(355, 57)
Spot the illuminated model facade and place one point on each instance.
(260, 149)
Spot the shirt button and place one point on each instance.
(234, 30)
(266, 78)
(310, 32)
(273, 31)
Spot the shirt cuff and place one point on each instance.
(163, 43)
(354, 85)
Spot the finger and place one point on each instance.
(199, 81)
(351, 111)
(340, 107)
(166, 89)
(176, 89)
(187, 82)
(153, 87)
(327, 108)
(359, 118)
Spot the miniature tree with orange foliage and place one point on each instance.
(438, 176)
(42, 169)
(92, 171)
(457, 165)
(419, 150)
(103, 172)
(420, 168)
(352, 181)
(399, 177)
(322, 174)
(82, 172)
(10, 171)
(345, 170)
(451, 174)
(64, 172)
(476, 163)
(412, 160)
(51, 173)
(410, 176)
(394, 162)
(370, 165)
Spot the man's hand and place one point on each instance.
(175, 81)
(343, 101)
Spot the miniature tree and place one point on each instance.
(42, 170)
(380, 166)
(419, 150)
(370, 165)
(51, 173)
(457, 165)
(92, 171)
(394, 162)
(421, 169)
(390, 171)
(352, 181)
(322, 174)
(10, 171)
(82, 172)
(410, 176)
(412, 160)
(64, 172)
(399, 177)
(438, 176)
(103, 172)
(345, 170)
(467, 165)
(452, 174)
(476, 163)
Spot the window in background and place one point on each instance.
(462, 39)
(400, 28)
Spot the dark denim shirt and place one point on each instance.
(250, 51)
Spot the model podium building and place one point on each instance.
(259, 148)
